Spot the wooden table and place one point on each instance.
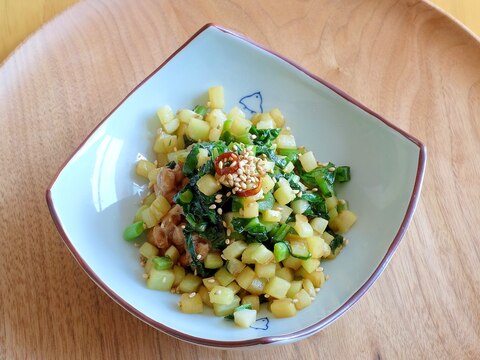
(401, 58)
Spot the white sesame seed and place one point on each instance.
(219, 211)
(211, 281)
(254, 137)
(266, 296)
(145, 276)
(224, 224)
(345, 242)
(235, 147)
(199, 257)
(229, 193)
(331, 169)
(182, 226)
(227, 241)
(192, 295)
(314, 189)
(234, 164)
(218, 201)
(295, 301)
(220, 165)
(229, 232)
(213, 206)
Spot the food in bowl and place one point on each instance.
(237, 214)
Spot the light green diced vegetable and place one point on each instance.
(234, 287)
(286, 273)
(179, 272)
(247, 255)
(177, 156)
(213, 261)
(138, 214)
(327, 237)
(266, 124)
(257, 286)
(278, 117)
(191, 303)
(262, 255)
(160, 279)
(190, 283)
(319, 224)
(283, 308)
(292, 263)
(308, 161)
(253, 300)
(185, 115)
(165, 143)
(148, 250)
(284, 194)
(143, 167)
(267, 183)
(303, 299)
(208, 185)
(310, 265)
(224, 310)
(245, 278)
(235, 266)
(299, 206)
(245, 318)
(317, 278)
(198, 129)
(295, 287)
(331, 202)
(172, 253)
(234, 250)
(286, 142)
(303, 228)
(309, 288)
(216, 118)
(250, 210)
(343, 222)
(160, 207)
(210, 283)
(165, 114)
(216, 97)
(277, 287)
(288, 168)
(265, 270)
(240, 126)
(316, 246)
(171, 126)
(221, 295)
(272, 216)
(224, 277)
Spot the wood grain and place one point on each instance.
(399, 57)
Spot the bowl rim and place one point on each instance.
(297, 335)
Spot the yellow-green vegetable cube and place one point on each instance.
(208, 185)
(315, 246)
(250, 210)
(299, 206)
(253, 300)
(221, 295)
(331, 202)
(202, 157)
(245, 318)
(165, 143)
(319, 224)
(267, 183)
(285, 273)
(286, 142)
(310, 265)
(148, 250)
(198, 129)
(216, 97)
(213, 261)
(171, 126)
(278, 117)
(235, 266)
(262, 255)
(284, 194)
(245, 278)
(185, 115)
(172, 253)
(210, 283)
(292, 263)
(144, 167)
(240, 126)
(224, 310)
(190, 283)
(203, 292)
(191, 303)
(303, 299)
(165, 114)
(295, 287)
(247, 255)
(160, 279)
(224, 277)
(283, 308)
(308, 161)
(234, 250)
(265, 270)
(257, 286)
(179, 272)
(216, 118)
(272, 215)
(343, 222)
(277, 287)
(309, 288)
(317, 278)
(234, 287)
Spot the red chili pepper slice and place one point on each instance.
(228, 166)
(252, 191)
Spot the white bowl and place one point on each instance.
(96, 193)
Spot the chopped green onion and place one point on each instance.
(186, 196)
(199, 109)
(162, 262)
(325, 188)
(133, 231)
(342, 173)
(238, 308)
(281, 232)
(280, 251)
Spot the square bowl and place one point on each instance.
(96, 192)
